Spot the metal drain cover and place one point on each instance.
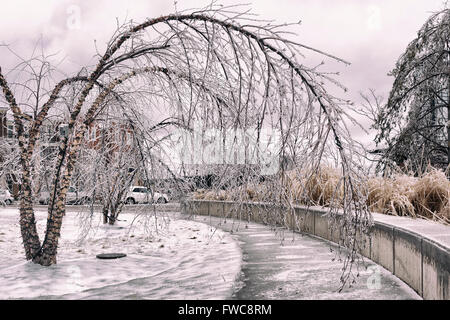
(111, 255)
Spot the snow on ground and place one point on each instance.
(166, 259)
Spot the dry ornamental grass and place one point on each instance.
(426, 196)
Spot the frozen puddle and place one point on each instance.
(183, 260)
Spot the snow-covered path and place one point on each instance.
(188, 258)
(183, 260)
(280, 264)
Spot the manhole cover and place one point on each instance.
(111, 255)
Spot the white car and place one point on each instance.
(138, 194)
(73, 197)
(5, 197)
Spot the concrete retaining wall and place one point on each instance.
(416, 251)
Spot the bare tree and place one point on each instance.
(413, 126)
(114, 163)
(219, 66)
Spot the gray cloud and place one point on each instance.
(369, 34)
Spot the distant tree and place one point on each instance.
(108, 164)
(413, 126)
(115, 158)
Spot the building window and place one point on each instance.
(64, 130)
(93, 133)
(10, 131)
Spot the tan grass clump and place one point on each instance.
(324, 187)
(251, 192)
(431, 195)
(216, 195)
(426, 196)
(315, 188)
(199, 194)
(403, 195)
(445, 212)
(391, 195)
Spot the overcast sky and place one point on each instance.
(370, 34)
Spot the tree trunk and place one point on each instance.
(105, 214)
(448, 123)
(47, 254)
(448, 118)
(27, 222)
(112, 217)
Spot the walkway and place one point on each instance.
(284, 265)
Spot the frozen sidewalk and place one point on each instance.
(285, 265)
(186, 260)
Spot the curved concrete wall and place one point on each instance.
(416, 251)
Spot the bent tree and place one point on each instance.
(218, 66)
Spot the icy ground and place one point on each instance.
(166, 259)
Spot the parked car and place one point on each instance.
(5, 197)
(138, 194)
(73, 197)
